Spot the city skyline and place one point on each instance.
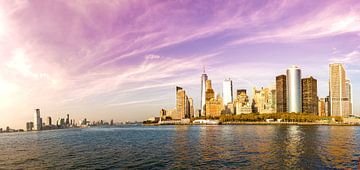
(121, 60)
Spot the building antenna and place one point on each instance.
(204, 69)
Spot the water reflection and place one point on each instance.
(184, 147)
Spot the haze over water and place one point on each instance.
(184, 147)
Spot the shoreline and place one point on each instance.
(261, 123)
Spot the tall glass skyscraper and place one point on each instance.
(204, 77)
(37, 120)
(227, 91)
(293, 84)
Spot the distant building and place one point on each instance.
(327, 106)
(48, 121)
(67, 121)
(339, 101)
(209, 94)
(227, 91)
(321, 106)
(241, 103)
(214, 107)
(29, 126)
(191, 102)
(349, 97)
(37, 120)
(281, 95)
(293, 85)
(204, 78)
(240, 91)
(263, 100)
(309, 95)
(180, 104)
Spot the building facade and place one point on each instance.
(227, 91)
(339, 103)
(309, 95)
(293, 85)
(263, 101)
(281, 95)
(204, 78)
(37, 120)
(321, 107)
(180, 104)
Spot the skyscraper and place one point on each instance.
(321, 107)
(349, 96)
(263, 101)
(209, 94)
(180, 104)
(337, 91)
(309, 95)
(204, 78)
(227, 91)
(293, 84)
(191, 102)
(37, 120)
(48, 121)
(281, 96)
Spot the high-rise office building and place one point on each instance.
(191, 102)
(339, 103)
(180, 104)
(281, 96)
(321, 106)
(241, 103)
(309, 95)
(227, 91)
(214, 107)
(48, 121)
(263, 100)
(293, 85)
(29, 126)
(209, 93)
(204, 78)
(67, 121)
(349, 96)
(327, 106)
(37, 120)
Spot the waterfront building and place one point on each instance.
(67, 121)
(209, 93)
(263, 100)
(214, 107)
(48, 121)
(321, 107)
(327, 106)
(309, 95)
(191, 112)
(281, 95)
(349, 96)
(37, 120)
(204, 78)
(227, 91)
(180, 104)
(293, 86)
(339, 101)
(29, 126)
(241, 103)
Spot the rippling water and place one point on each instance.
(184, 147)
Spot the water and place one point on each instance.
(184, 147)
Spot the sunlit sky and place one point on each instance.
(122, 59)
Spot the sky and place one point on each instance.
(122, 59)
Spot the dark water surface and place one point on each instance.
(184, 147)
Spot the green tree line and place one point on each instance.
(286, 117)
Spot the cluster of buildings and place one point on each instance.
(291, 93)
(39, 124)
